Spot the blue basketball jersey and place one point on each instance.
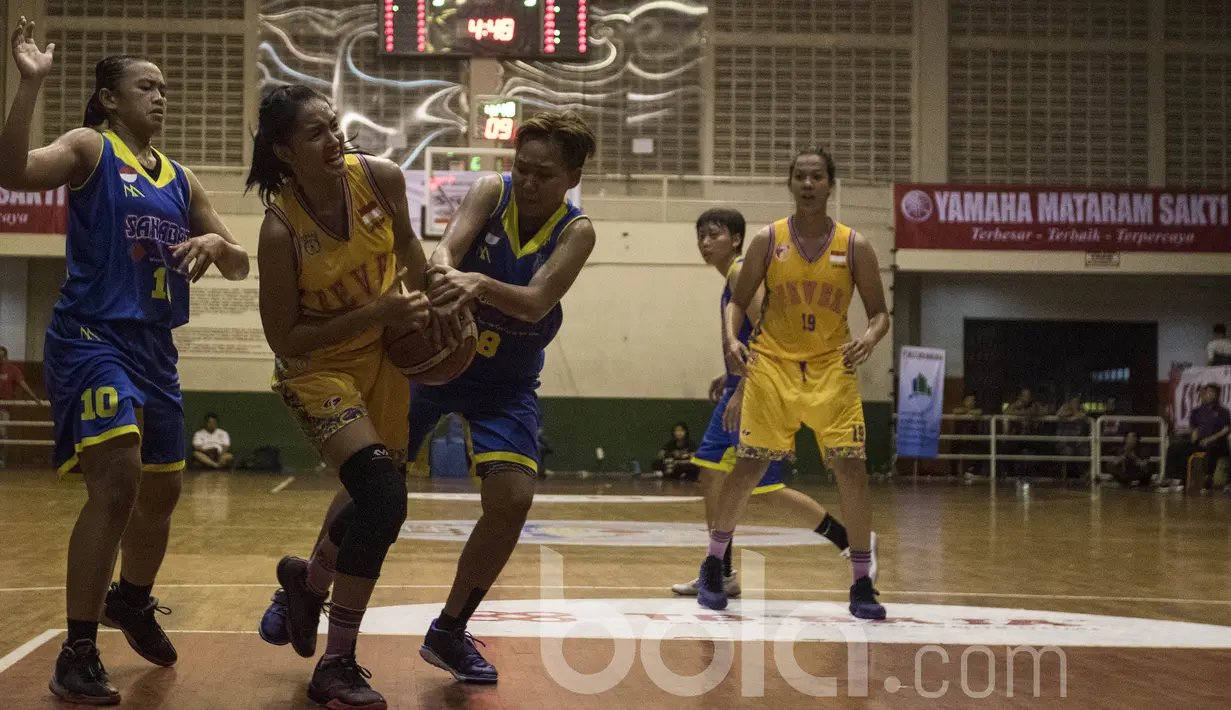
(510, 351)
(122, 224)
(745, 330)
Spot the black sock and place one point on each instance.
(726, 558)
(135, 595)
(835, 532)
(78, 630)
(444, 622)
(472, 603)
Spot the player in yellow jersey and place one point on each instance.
(801, 368)
(336, 232)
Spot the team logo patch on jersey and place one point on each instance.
(311, 243)
(372, 215)
(782, 251)
(128, 173)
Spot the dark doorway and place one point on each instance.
(1095, 360)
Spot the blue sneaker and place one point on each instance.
(273, 624)
(863, 601)
(454, 652)
(710, 591)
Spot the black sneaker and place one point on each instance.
(454, 651)
(303, 607)
(710, 591)
(140, 627)
(863, 601)
(342, 684)
(80, 677)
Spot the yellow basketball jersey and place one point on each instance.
(341, 272)
(806, 295)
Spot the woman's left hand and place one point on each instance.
(451, 289)
(196, 255)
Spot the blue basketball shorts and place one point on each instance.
(717, 450)
(502, 424)
(106, 380)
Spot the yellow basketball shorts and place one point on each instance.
(325, 395)
(781, 395)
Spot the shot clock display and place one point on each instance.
(498, 118)
(496, 29)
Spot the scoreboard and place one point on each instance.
(486, 29)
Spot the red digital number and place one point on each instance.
(498, 128)
(500, 29)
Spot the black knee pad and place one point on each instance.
(342, 522)
(378, 493)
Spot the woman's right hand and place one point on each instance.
(398, 305)
(31, 62)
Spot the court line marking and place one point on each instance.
(278, 488)
(774, 590)
(27, 648)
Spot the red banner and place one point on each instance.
(1043, 218)
(34, 212)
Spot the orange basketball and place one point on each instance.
(412, 352)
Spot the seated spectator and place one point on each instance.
(1210, 424)
(1073, 422)
(1218, 352)
(965, 427)
(211, 446)
(1131, 468)
(1112, 429)
(1029, 411)
(674, 459)
(11, 378)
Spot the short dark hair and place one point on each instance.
(830, 169)
(1220, 329)
(729, 219)
(567, 129)
(1217, 389)
(211, 415)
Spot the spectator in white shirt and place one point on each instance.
(1218, 352)
(211, 446)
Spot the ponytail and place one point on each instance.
(95, 112)
(268, 173)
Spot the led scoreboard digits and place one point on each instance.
(496, 29)
(498, 118)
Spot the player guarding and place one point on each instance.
(336, 227)
(140, 229)
(720, 238)
(515, 246)
(801, 369)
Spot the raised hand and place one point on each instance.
(32, 62)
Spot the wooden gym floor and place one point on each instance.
(1132, 559)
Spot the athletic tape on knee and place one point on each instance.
(378, 492)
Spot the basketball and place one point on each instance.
(413, 353)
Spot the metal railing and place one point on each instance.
(997, 434)
(7, 423)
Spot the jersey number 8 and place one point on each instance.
(489, 341)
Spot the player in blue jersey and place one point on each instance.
(515, 246)
(140, 229)
(720, 239)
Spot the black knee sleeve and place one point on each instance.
(378, 493)
(341, 523)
